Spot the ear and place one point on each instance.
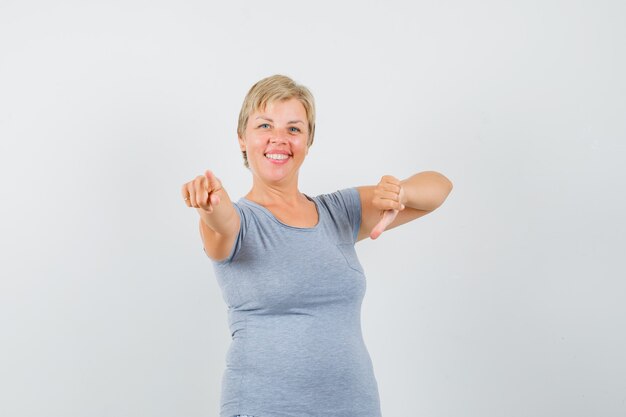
(242, 143)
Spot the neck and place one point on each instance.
(270, 194)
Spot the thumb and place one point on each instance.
(388, 217)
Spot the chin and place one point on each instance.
(274, 176)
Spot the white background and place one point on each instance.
(506, 301)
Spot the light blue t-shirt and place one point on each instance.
(294, 310)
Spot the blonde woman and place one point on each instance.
(287, 267)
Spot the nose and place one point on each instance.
(279, 137)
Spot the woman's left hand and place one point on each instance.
(389, 197)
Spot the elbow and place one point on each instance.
(444, 189)
(434, 188)
(446, 184)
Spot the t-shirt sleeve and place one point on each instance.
(348, 201)
(243, 226)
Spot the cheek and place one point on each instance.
(300, 142)
(256, 141)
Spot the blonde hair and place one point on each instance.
(275, 88)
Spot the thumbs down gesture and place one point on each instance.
(389, 197)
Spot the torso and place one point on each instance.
(291, 291)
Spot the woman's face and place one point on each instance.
(275, 140)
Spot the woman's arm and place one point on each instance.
(219, 222)
(411, 198)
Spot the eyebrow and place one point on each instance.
(270, 120)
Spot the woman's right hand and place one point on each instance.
(219, 222)
(202, 192)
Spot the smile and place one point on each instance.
(276, 156)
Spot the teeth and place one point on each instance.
(277, 156)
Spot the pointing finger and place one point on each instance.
(214, 183)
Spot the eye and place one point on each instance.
(264, 125)
(295, 129)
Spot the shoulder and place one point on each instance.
(344, 208)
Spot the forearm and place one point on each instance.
(426, 190)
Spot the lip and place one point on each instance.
(277, 151)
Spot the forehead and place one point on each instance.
(282, 109)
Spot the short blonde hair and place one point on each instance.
(275, 88)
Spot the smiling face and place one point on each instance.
(275, 140)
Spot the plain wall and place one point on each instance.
(506, 301)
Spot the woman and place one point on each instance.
(287, 267)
